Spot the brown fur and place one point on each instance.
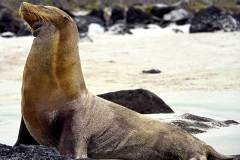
(59, 111)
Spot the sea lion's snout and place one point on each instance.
(30, 13)
(27, 12)
(33, 14)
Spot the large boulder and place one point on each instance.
(137, 16)
(98, 14)
(213, 19)
(160, 10)
(118, 14)
(139, 100)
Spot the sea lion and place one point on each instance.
(60, 112)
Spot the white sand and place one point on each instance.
(194, 68)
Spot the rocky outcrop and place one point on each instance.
(23, 152)
(139, 100)
(160, 10)
(9, 23)
(117, 15)
(98, 14)
(213, 19)
(137, 16)
(197, 124)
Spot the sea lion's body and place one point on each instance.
(60, 112)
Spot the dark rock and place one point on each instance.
(237, 16)
(23, 152)
(98, 14)
(23, 29)
(8, 23)
(197, 124)
(213, 19)
(136, 16)
(6, 20)
(118, 14)
(188, 126)
(151, 71)
(196, 118)
(159, 11)
(140, 100)
(182, 22)
(231, 122)
(83, 23)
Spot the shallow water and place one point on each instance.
(218, 105)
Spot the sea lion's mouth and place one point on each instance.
(36, 28)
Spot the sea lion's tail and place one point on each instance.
(214, 155)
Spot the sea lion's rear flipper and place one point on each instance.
(213, 155)
(24, 137)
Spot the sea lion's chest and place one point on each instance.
(43, 125)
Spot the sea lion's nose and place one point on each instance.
(25, 3)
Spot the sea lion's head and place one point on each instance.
(37, 15)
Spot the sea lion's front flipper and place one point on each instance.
(24, 137)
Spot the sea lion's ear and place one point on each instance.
(65, 18)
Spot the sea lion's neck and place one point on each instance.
(67, 61)
(53, 67)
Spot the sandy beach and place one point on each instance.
(200, 74)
